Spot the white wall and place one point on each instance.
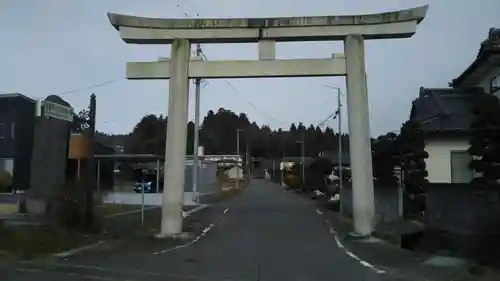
(133, 198)
(439, 163)
(234, 173)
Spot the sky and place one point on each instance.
(64, 47)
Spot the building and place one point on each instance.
(484, 71)
(17, 121)
(445, 114)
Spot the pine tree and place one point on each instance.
(385, 159)
(485, 141)
(412, 156)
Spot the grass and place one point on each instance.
(28, 242)
(6, 208)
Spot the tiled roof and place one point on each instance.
(488, 47)
(16, 95)
(445, 110)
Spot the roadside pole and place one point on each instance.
(196, 158)
(237, 157)
(340, 148)
(142, 198)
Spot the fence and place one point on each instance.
(387, 202)
(208, 189)
(463, 220)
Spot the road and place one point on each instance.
(266, 233)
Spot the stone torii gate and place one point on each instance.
(181, 33)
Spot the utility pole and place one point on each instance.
(248, 159)
(238, 157)
(338, 114)
(303, 152)
(90, 182)
(340, 145)
(196, 159)
(302, 158)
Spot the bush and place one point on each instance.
(485, 141)
(5, 181)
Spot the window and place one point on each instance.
(13, 130)
(2, 130)
(495, 84)
(460, 172)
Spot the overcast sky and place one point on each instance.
(55, 46)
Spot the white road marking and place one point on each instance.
(204, 232)
(347, 252)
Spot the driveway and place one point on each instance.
(265, 233)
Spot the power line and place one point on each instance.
(65, 93)
(240, 95)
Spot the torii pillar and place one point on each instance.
(353, 30)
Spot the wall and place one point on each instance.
(48, 163)
(438, 164)
(206, 177)
(463, 221)
(24, 138)
(150, 199)
(386, 202)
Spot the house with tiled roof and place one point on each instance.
(484, 71)
(445, 114)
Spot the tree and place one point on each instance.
(412, 156)
(485, 141)
(384, 157)
(218, 136)
(148, 136)
(81, 121)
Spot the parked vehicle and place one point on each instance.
(148, 182)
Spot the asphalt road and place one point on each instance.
(266, 233)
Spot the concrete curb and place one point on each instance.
(194, 210)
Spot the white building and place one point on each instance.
(445, 114)
(235, 173)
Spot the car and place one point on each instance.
(148, 187)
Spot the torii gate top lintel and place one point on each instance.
(144, 30)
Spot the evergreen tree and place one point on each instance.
(412, 156)
(384, 157)
(485, 141)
